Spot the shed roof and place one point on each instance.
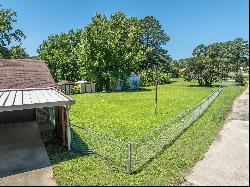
(24, 73)
(62, 82)
(20, 99)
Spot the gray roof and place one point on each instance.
(20, 99)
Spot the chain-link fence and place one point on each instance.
(86, 141)
(132, 156)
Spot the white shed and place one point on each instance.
(86, 87)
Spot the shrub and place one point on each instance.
(76, 89)
(239, 80)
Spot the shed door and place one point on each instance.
(18, 116)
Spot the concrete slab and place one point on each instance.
(23, 157)
(227, 161)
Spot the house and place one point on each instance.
(132, 83)
(66, 87)
(27, 93)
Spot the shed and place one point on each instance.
(26, 90)
(86, 87)
(66, 87)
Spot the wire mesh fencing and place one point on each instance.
(132, 156)
(86, 141)
(152, 143)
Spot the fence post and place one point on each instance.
(128, 164)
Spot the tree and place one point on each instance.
(202, 69)
(207, 65)
(237, 53)
(17, 52)
(59, 52)
(8, 34)
(106, 50)
(177, 67)
(110, 49)
(214, 62)
(156, 57)
(153, 38)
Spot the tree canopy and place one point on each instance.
(214, 62)
(107, 49)
(110, 48)
(9, 35)
(60, 53)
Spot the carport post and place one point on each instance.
(68, 127)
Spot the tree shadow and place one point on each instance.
(212, 86)
(141, 89)
(172, 81)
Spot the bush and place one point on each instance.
(239, 80)
(76, 89)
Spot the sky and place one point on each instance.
(187, 22)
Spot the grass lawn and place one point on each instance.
(170, 167)
(129, 115)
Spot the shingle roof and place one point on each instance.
(24, 73)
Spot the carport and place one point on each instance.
(16, 103)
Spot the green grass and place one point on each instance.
(169, 168)
(129, 115)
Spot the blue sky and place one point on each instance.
(187, 22)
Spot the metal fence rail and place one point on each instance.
(131, 156)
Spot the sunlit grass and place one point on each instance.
(171, 166)
(128, 115)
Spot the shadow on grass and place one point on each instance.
(141, 89)
(195, 85)
(172, 81)
(56, 152)
(78, 145)
(212, 86)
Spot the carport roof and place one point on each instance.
(20, 99)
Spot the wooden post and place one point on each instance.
(68, 127)
(156, 89)
(63, 122)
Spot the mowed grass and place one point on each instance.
(129, 115)
(169, 168)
